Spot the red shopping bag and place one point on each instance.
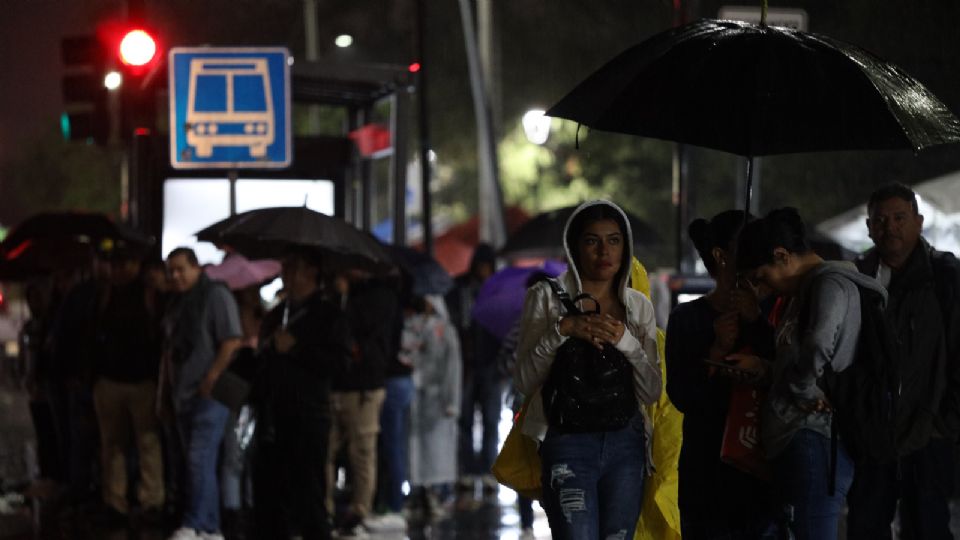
(741, 436)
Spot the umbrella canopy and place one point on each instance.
(238, 272)
(427, 275)
(542, 236)
(500, 300)
(266, 233)
(758, 90)
(52, 241)
(41, 257)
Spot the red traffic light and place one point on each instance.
(137, 48)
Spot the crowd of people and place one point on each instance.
(305, 420)
(159, 393)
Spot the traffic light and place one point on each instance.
(86, 116)
(137, 51)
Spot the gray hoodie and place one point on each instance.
(829, 337)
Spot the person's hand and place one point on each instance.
(814, 405)
(283, 341)
(597, 329)
(726, 329)
(744, 367)
(208, 382)
(743, 300)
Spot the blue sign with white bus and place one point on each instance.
(230, 108)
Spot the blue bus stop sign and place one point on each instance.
(230, 108)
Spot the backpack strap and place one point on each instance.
(570, 304)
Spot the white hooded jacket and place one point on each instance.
(539, 338)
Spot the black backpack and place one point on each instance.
(588, 390)
(864, 396)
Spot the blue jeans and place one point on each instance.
(394, 437)
(801, 475)
(483, 388)
(201, 424)
(593, 482)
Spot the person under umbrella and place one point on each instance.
(304, 343)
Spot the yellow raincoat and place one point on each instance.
(660, 516)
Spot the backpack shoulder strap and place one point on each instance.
(568, 303)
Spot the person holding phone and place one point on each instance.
(716, 500)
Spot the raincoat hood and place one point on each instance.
(573, 273)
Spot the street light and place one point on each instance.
(536, 126)
(112, 80)
(343, 41)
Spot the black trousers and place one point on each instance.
(924, 487)
(289, 470)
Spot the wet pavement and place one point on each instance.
(475, 516)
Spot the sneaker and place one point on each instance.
(391, 521)
(210, 536)
(355, 532)
(466, 482)
(490, 483)
(184, 533)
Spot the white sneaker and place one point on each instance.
(358, 532)
(210, 536)
(184, 533)
(391, 521)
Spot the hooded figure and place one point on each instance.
(592, 479)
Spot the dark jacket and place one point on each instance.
(921, 306)
(321, 350)
(126, 343)
(371, 312)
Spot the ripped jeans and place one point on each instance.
(593, 482)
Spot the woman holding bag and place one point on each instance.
(595, 438)
(717, 500)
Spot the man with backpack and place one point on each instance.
(923, 292)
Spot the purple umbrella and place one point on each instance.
(500, 300)
(239, 273)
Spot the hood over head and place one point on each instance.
(593, 211)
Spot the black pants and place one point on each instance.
(923, 489)
(289, 470)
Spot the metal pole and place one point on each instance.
(423, 119)
(398, 172)
(312, 53)
(232, 177)
(492, 228)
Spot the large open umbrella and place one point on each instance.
(51, 241)
(266, 233)
(757, 90)
(542, 236)
(500, 300)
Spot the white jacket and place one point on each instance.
(539, 339)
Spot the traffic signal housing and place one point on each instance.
(86, 115)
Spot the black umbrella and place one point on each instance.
(52, 241)
(542, 235)
(267, 232)
(759, 90)
(425, 272)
